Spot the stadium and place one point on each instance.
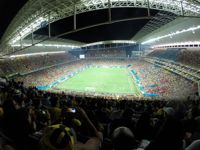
(100, 74)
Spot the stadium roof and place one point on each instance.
(85, 16)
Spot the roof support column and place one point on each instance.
(74, 15)
(49, 25)
(182, 10)
(21, 44)
(32, 35)
(7, 51)
(148, 8)
(109, 12)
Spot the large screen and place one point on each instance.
(81, 56)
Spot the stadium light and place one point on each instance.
(27, 30)
(18, 45)
(175, 6)
(191, 29)
(40, 53)
(123, 41)
(57, 45)
(109, 42)
(170, 3)
(48, 45)
(182, 44)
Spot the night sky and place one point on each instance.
(116, 31)
(8, 9)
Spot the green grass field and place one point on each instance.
(106, 80)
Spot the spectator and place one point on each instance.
(170, 136)
(123, 139)
(194, 146)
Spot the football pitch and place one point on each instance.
(102, 80)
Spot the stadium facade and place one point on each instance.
(171, 25)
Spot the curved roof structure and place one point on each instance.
(178, 31)
(37, 13)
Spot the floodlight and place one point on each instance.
(40, 53)
(172, 34)
(27, 30)
(177, 44)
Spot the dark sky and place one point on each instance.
(8, 9)
(116, 31)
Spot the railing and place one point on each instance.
(185, 71)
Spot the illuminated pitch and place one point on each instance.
(102, 80)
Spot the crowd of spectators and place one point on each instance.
(185, 56)
(170, 53)
(190, 57)
(160, 81)
(26, 64)
(106, 53)
(48, 76)
(32, 119)
(153, 79)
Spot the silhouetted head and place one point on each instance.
(123, 139)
